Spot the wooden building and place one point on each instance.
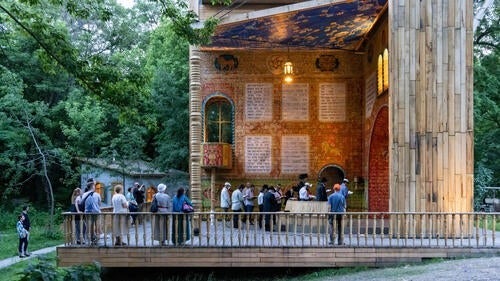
(381, 94)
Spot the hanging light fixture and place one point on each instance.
(288, 69)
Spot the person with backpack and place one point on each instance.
(23, 237)
(92, 207)
(27, 226)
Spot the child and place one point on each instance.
(23, 237)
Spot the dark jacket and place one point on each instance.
(270, 204)
(26, 222)
(321, 192)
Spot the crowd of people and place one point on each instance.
(241, 201)
(272, 199)
(131, 202)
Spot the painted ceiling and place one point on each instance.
(337, 25)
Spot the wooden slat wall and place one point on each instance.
(430, 97)
(257, 257)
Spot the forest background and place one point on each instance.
(91, 78)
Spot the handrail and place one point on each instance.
(283, 229)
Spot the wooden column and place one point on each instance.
(431, 109)
(195, 127)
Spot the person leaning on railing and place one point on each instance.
(336, 202)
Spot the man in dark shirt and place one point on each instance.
(139, 196)
(270, 205)
(26, 225)
(321, 190)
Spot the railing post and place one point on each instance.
(390, 229)
(453, 226)
(476, 219)
(494, 229)
(350, 228)
(422, 229)
(366, 229)
(359, 230)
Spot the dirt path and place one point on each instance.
(484, 269)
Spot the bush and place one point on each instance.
(46, 269)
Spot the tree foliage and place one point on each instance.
(486, 103)
(82, 75)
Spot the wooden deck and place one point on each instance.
(301, 240)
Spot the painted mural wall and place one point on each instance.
(282, 130)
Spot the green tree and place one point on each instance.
(170, 96)
(486, 101)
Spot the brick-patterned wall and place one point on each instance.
(376, 127)
(378, 192)
(331, 143)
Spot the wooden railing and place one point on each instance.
(286, 229)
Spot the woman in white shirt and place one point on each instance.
(120, 206)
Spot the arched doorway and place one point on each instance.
(378, 190)
(333, 174)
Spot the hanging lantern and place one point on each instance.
(288, 72)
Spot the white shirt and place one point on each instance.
(303, 193)
(260, 198)
(119, 201)
(237, 199)
(224, 198)
(248, 197)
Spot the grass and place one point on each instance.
(9, 242)
(13, 272)
(40, 237)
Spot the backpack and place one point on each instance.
(81, 205)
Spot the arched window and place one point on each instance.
(380, 75)
(386, 70)
(383, 72)
(218, 121)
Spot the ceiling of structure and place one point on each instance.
(330, 24)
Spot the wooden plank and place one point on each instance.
(269, 257)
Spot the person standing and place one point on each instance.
(180, 231)
(270, 205)
(129, 196)
(321, 190)
(139, 195)
(76, 198)
(27, 226)
(260, 202)
(237, 204)
(120, 207)
(164, 206)
(248, 196)
(336, 202)
(23, 237)
(345, 190)
(92, 209)
(225, 200)
(278, 194)
(304, 192)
